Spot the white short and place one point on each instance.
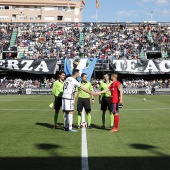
(67, 105)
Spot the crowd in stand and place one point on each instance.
(50, 40)
(5, 34)
(141, 83)
(124, 42)
(138, 83)
(16, 83)
(46, 83)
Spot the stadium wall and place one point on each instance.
(127, 91)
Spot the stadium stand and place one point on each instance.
(5, 34)
(57, 41)
(51, 40)
(47, 41)
(125, 42)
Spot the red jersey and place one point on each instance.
(115, 94)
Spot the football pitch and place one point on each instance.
(28, 142)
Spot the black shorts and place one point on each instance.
(106, 104)
(83, 103)
(57, 103)
(115, 108)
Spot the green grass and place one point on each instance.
(27, 140)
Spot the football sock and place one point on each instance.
(63, 118)
(70, 121)
(103, 118)
(55, 119)
(116, 121)
(89, 119)
(78, 119)
(111, 119)
(66, 120)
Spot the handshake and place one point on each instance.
(99, 93)
(95, 93)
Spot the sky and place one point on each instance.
(127, 10)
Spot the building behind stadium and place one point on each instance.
(40, 11)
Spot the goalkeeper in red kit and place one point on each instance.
(116, 99)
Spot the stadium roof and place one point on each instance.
(38, 2)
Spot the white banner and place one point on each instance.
(141, 66)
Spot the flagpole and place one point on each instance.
(96, 15)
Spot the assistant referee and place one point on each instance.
(84, 101)
(57, 91)
(105, 101)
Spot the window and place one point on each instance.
(76, 11)
(49, 8)
(21, 8)
(38, 8)
(76, 19)
(59, 18)
(68, 9)
(38, 17)
(49, 18)
(4, 17)
(13, 7)
(21, 17)
(67, 19)
(31, 18)
(60, 8)
(31, 8)
(14, 16)
(2, 7)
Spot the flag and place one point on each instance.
(97, 4)
(51, 105)
(67, 67)
(84, 65)
(83, 2)
(90, 68)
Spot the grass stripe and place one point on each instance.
(49, 110)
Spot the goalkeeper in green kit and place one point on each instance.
(57, 91)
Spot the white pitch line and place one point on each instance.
(22, 100)
(84, 151)
(46, 110)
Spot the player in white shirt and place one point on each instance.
(68, 98)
